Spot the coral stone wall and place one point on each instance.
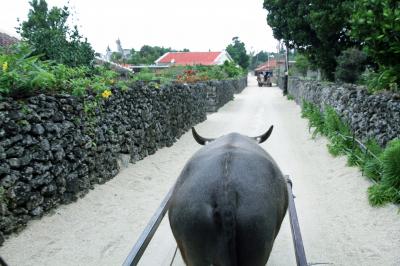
(369, 115)
(54, 148)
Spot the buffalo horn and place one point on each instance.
(200, 139)
(260, 139)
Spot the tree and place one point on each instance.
(116, 57)
(317, 28)
(377, 24)
(301, 64)
(237, 51)
(48, 33)
(258, 59)
(351, 63)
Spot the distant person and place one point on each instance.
(260, 76)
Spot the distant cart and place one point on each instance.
(264, 78)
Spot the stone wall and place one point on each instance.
(369, 115)
(54, 148)
(221, 92)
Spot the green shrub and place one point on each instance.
(391, 164)
(350, 65)
(333, 123)
(145, 74)
(372, 168)
(290, 97)
(315, 116)
(372, 165)
(386, 78)
(79, 86)
(232, 70)
(21, 73)
(380, 194)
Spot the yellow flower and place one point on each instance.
(106, 94)
(5, 66)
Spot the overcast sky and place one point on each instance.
(199, 25)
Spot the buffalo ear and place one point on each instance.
(199, 139)
(260, 139)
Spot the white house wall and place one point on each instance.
(222, 58)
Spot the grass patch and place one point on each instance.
(290, 97)
(382, 166)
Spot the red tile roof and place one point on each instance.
(189, 58)
(271, 64)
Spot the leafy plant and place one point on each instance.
(315, 117)
(377, 24)
(372, 168)
(386, 78)
(79, 86)
(22, 73)
(232, 70)
(372, 165)
(391, 164)
(380, 194)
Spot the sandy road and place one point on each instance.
(338, 225)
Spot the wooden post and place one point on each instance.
(286, 79)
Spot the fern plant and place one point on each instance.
(391, 164)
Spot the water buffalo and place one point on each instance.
(228, 203)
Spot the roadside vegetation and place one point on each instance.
(381, 166)
(66, 64)
(349, 41)
(23, 74)
(353, 42)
